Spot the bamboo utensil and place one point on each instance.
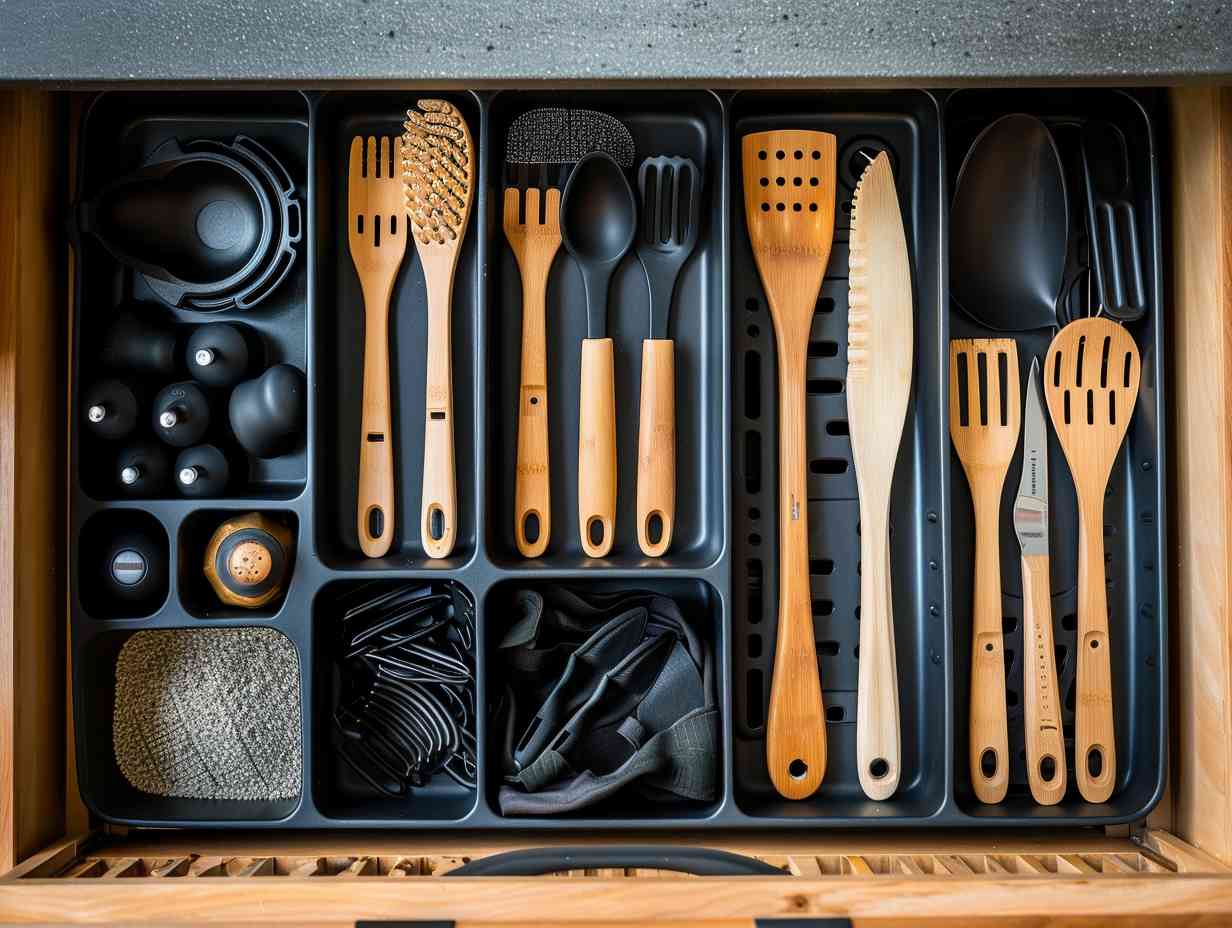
(880, 342)
(376, 220)
(671, 210)
(1041, 698)
(439, 172)
(984, 421)
(1091, 379)
(789, 192)
(598, 222)
(532, 226)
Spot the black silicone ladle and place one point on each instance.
(598, 219)
(1009, 227)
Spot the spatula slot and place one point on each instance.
(1090, 407)
(1112, 409)
(1103, 363)
(962, 375)
(1082, 348)
(981, 368)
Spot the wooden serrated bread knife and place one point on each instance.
(880, 339)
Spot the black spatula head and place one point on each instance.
(1009, 225)
(671, 209)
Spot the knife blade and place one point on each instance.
(1041, 698)
(880, 344)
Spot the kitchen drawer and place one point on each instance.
(1177, 864)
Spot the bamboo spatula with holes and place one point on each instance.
(985, 415)
(376, 219)
(789, 181)
(880, 342)
(1091, 382)
(439, 173)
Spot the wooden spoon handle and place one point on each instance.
(796, 724)
(878, 736)
(439, 511)
(533, 488)
(656, 446)
(1094, 735)
(597, 448)
(989, 754)
(375, 499)
(1041, 699)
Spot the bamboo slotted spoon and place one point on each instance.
(1091, 382)
(789, 189)
(376, 220)
(985, 417)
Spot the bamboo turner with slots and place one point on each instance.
(985, 435)
(534, 239)
(1091, 379)
(439, 173)
(789, 190)
(376, 217)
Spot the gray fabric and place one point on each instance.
(209, 714)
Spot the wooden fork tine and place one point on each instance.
(1013, 405)
(551, 214)
(956, 401)
(532, 206)
(356, 195)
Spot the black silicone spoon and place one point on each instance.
(598, 219)
(1009, 227)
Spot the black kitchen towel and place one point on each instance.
(604, 691)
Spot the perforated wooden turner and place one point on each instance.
(985, 416)
(789, 181)
(1091, 382)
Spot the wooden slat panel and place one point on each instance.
(32, 576)
(1201, 319)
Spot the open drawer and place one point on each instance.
(65, 864)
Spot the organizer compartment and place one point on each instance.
(339, 337)
(119, 130)
(908, 125)
(687, 123)
(1134, 513)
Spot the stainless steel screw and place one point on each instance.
(130, 474)
(96, 413)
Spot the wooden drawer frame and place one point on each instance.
(1174, 868)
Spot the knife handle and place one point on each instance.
(1041, 698)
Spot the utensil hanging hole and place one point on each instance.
(878, 768)
(1082, 349)
(1094, 644)
(1047, 768)
(436, 522)
(1095, 762)
(654, 527)
(530, 527)
(988, 647)
(595, 531)
(376, 521)
(797, 768)
(988, 763)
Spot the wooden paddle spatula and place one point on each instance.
(789, 180)
(1091, 381)
(985, 415)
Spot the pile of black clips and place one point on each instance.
(407, 707)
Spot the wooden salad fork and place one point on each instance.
(985, 417)
(1091, 379)
(376, 219)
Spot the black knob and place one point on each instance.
(267, 413)
(217, 354)
(133, 570)
(131, 344)
(201, 471)
(181, 414)
(142, 469)
(110, 409)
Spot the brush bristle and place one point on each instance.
(438, 169)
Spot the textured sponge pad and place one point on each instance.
(209, 714)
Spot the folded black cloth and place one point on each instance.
(605, 691)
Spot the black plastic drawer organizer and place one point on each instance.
(722, 567)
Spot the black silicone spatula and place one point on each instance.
(671, 208)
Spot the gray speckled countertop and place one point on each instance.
(495, 41)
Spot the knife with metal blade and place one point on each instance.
(880, 344)
(1041, 698)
